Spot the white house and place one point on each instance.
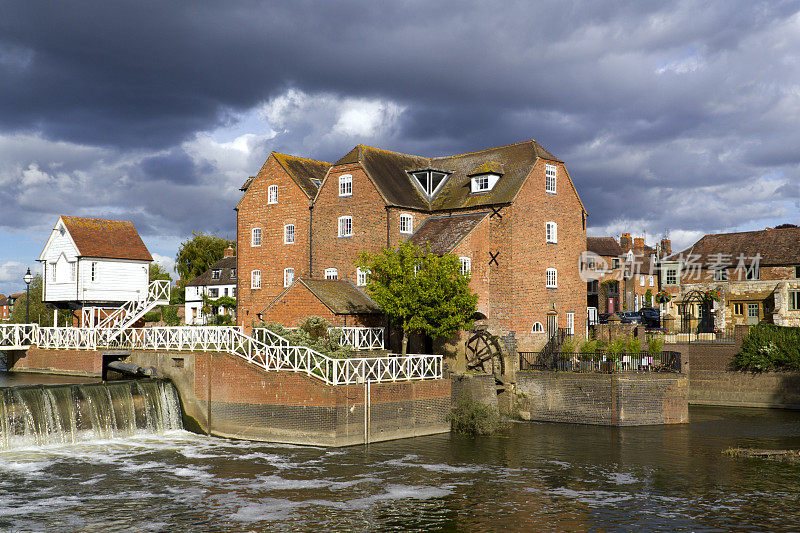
(91, 261)
(217, 281)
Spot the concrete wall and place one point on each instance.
(604, 399)
(476, 387)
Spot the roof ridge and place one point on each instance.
(394, 152)
(534, 141)
(303, 158)
(743, 232)
(96, 218)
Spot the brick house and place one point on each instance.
(217, 281)
(511, 213)
(620, 274)
(4, 312)
(757, 274)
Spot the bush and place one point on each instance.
(170, 316)
(316, 333)
(589, 347)
(616, 347)
(769, 347)
(223, 320)
(633, 345)
(469, 417)
(655, 345)
(152, 316)
(570, 345)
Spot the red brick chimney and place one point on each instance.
(229, 252)
(625, 242)
(666, 247)
(638, 245)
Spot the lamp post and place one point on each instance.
(27, 278)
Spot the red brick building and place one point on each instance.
(511, 213)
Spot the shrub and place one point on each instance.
(633, 345)
(152, 316)
(616, 347)
(316, 333)
(589, 347)
(655, 345)
(469, 417)
(769, 347)
(223, 320)
(570, 345)
(170, 316)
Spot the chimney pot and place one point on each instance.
(228, 252)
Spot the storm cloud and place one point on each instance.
(679, 116)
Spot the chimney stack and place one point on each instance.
(666, 247)
(638, 244)
(625, 242)
(228, 252)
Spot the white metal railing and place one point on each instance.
(276, 354)
(129, 312)
(363, 338)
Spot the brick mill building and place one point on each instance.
(511, 214)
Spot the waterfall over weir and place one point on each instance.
(63, 414)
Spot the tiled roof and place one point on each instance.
(443, 233)
(3, 300)
(225, 266)
(605, 246)
(307, 173)
(341, 296)
(776, 247)
(389, 171)
(114, 239)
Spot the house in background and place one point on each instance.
(756, 273)
(4, 308)
(12, 299)
(511, 213)
(217, 281)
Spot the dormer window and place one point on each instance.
(215, 273)
(428, 180)
(484, 182)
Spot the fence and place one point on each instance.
(665, 361)
(272, 355)
(725, 336)
(359, 337)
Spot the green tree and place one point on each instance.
(39, 312)
(420, 291)
(196, 255)
(157, 272)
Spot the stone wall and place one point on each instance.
(604, 399)
(476, 387)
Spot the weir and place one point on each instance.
(64, 414)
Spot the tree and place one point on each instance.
(39, 312)
(196, 255)
(157, 272)
(421, 291)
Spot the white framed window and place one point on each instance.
(550, 178)
(233, 273)
(651, 280)
(537, 328)
(346, 185)
(288, 276)
(551, 232)
(429, 181)
(641, 281)
(255, 279)
(466, 265)
(551, 278)
(362, 276)
(288, 234)
(255, 237)
(671, 277)
(571, 323)
(272, 194)
(794, 300)
(213, 293)
(215, 273)
(484, 182)
(345, 226)
(331, 273)
(72, 271)
(93, 272)
(406, 224)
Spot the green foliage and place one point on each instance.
(570, 345)
(589, 347)
(633, 345)
(170, 316)
(435, 300)
(223, 320)
(152, 316)
(648, 298)
(158, 272)
(769, 347)
(177, 295)
(196, 255)
(314, 332)
(655, 344)
(225, 302)
(469, 417)
(39, 312)
(616, 347)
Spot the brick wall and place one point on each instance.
(71, 362)
(604, 399)
(476, 247)
(273, 256)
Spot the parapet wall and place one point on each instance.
(619, 399)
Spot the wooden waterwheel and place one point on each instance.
(483, 353)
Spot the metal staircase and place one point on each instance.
(127, 314)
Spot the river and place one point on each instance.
(535, 477)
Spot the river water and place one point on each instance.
(535, 477)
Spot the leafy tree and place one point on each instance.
(39, 312)
(157, 272)
(421, 291)
(196, 255)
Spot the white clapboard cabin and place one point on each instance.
(92, 263)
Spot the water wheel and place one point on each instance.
(483, 353)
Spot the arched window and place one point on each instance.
(406, 224)
(288, 234)
(537, 328)
(551, 278)
(346, 185)
(551, 232)
(272, 194)
(288, 276)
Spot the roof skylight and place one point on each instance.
(428, 180)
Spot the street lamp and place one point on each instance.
(27, 278)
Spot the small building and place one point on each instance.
(338, 301)
(216, 282)
(731, 279)
(4, 311)
(93, 261)
(12, 299)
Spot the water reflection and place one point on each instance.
(537, 477)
